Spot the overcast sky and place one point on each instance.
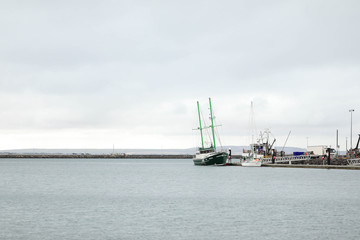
(90, 74)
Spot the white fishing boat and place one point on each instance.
(256, 162)
(254, 157)
(253, 160)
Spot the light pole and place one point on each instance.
(351, 111)
(307, 141)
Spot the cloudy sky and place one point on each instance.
(90, 74)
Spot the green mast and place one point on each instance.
(212, 124)
(202, 140)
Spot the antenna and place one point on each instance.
(337, 143)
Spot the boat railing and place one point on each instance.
(354, 161)
(286, 159)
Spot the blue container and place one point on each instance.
(298, 153)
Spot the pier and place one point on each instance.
(286, 159)
(351, 167)
(348, 167)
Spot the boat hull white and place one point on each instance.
(251, 163)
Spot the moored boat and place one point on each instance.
(255, 152)
(251, 162)
(209, 155)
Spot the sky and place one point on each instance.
(128, 74)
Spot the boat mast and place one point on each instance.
(212, 124)
(252, 123)
(202, 140)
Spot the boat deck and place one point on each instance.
(351, 167)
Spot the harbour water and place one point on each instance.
(173, 199)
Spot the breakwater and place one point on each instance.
(108, 156)
(339, 163)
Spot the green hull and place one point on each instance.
(218, 158)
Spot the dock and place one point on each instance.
(347, 167)
(350, 167)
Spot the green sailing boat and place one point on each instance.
(209, 155)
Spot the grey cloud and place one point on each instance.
(140, 64)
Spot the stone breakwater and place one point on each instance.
(109, 156)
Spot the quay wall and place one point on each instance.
(319, 161)
(344, 167)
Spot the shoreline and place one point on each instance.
(344, 167)
(310, 164)
(105, 156)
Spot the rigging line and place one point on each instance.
(206, 128)
(210, 129)
(218, 137)
(217, 131)
(273, 137)
(253, 129)
(215, 124)
(209, 136)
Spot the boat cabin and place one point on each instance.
(206, 150)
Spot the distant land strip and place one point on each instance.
(109, 156)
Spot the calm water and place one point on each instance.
(173, 199)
